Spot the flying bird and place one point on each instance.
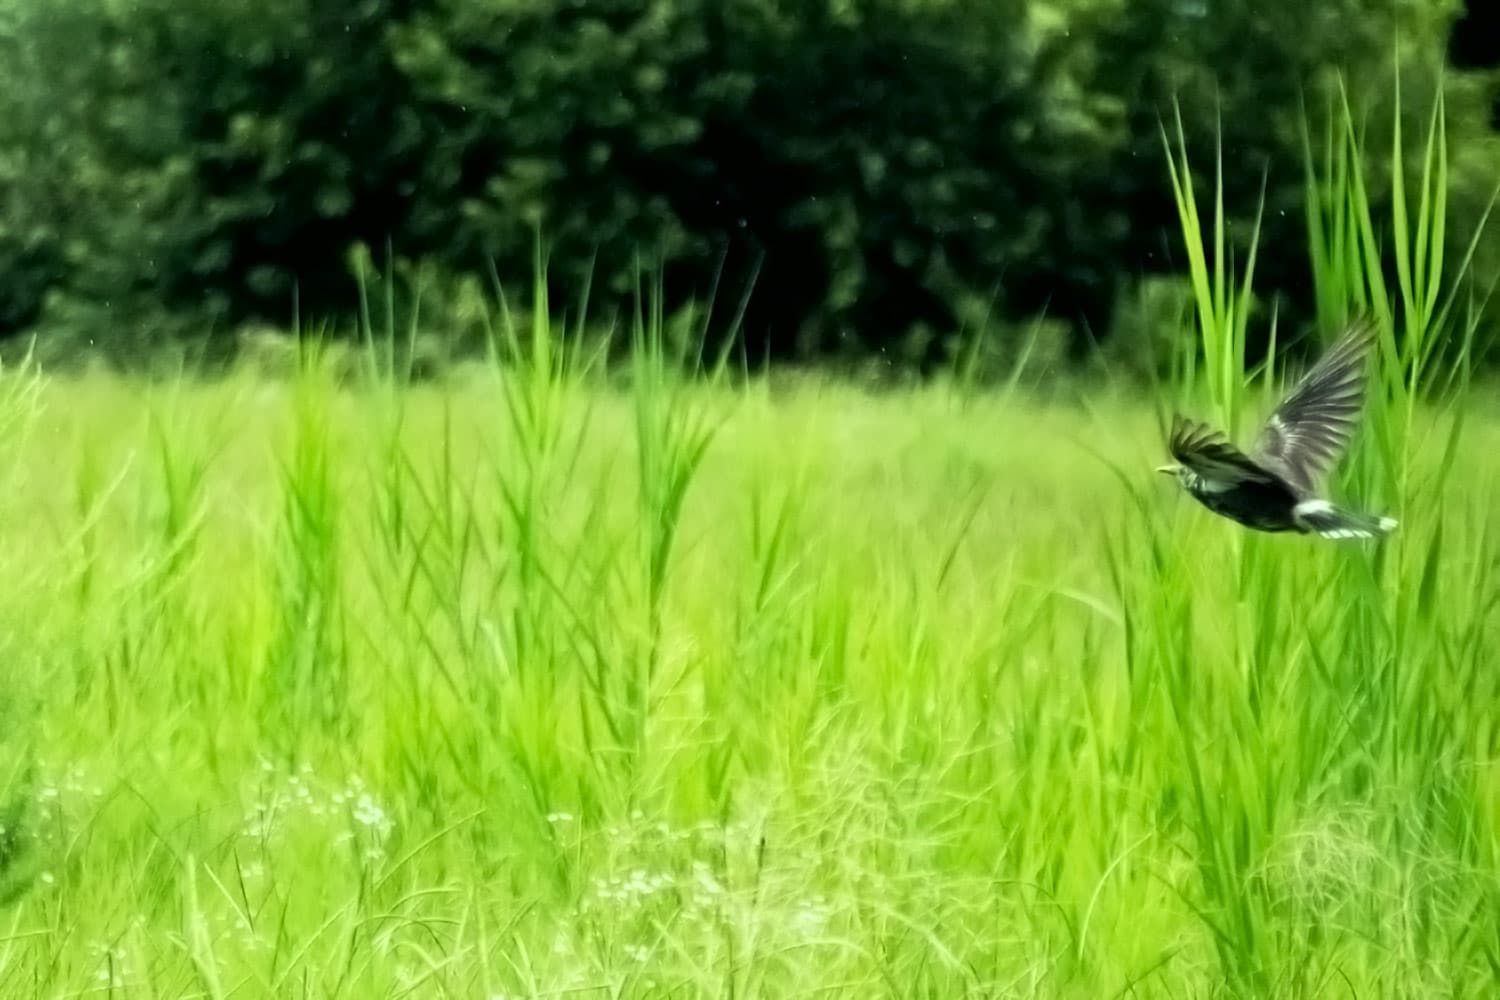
(1276, 486)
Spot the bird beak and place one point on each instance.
(1168, 469)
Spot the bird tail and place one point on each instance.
(1325, 519)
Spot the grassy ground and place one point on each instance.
(540, 684)
(496, 689)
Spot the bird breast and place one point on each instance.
(1202, 484)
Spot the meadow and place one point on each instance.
(547, 680)
(532, 687)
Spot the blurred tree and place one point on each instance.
(887, 165)
(1474, 44)
(873, 159)
(1245, 77)
(91, 169)
(304, 138)
(203, 161)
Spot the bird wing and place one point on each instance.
(1308, 431)
(1211, 455)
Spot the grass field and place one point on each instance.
(541, 682)
(494, 689)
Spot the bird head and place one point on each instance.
(1177, 471)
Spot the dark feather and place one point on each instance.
(1308, 432)
(1210, 454)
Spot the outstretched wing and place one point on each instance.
(1211, 456)
(1309, 430)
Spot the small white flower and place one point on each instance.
(367, 812)
(705, 879)
(810, 919)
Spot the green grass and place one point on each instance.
(459, 691)
(552, 680)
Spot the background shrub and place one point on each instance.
(881, 171)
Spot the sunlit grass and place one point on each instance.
(549, 679)
(354, 692)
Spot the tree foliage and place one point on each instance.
(881, 169)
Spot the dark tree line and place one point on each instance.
(884, 170)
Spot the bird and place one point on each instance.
(1277, 486)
